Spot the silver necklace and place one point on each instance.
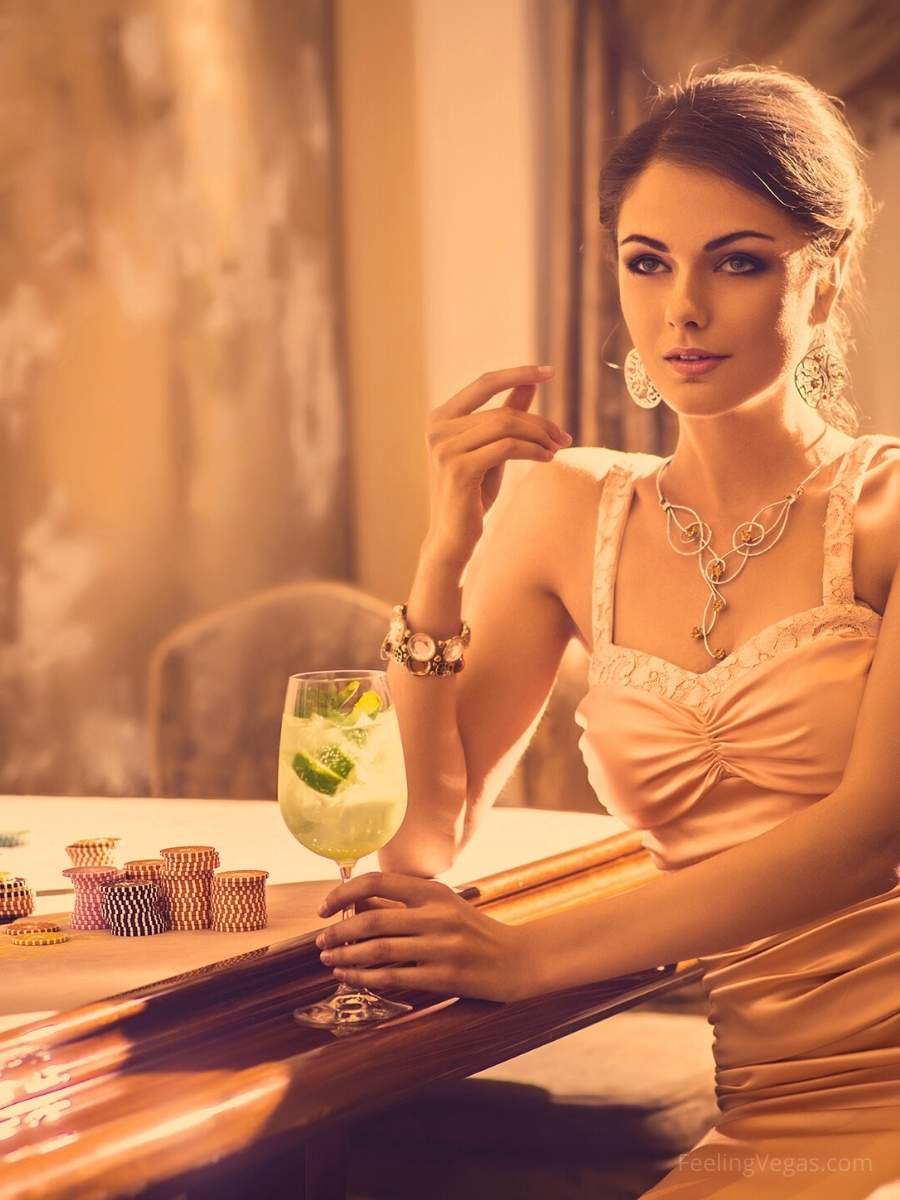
(746, 542)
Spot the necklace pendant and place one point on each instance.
(697, 633)
(720, 654)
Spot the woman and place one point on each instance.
(744, 715)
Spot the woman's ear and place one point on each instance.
(829, 284)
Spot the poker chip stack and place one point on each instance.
(131, 908)
(36, 933)
(93, 852)
(16, 898)
(187, 876)
(149, 870)
(239, 901)
(89, 883)
(13, 837)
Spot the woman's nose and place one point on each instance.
(686, 304)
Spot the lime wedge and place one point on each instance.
(368, 703)
(316, 776)
(345, 693)
(336, 760)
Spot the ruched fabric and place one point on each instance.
(807, 1023)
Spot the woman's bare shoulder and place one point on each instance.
(595, 462)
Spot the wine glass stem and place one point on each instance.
(346, 870)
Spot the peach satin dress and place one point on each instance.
(807, 1027)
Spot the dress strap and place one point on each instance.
(837, 574)
(612, 510)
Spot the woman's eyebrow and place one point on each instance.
(715, 244)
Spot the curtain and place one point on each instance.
(599, 62)
(172, 410)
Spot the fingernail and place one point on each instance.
(326, 956)
(323, 910)
(545, 370)
(564, 439)
(320, 940)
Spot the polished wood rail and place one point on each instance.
(142, 1093)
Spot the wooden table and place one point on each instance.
(187, 1086)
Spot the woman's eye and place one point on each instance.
(744, 258)
(747, 265)
(635, 264)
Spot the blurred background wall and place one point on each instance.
(248, 245)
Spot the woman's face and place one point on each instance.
(750, 298)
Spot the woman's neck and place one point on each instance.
(731, 464)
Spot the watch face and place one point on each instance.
(453, 649)
(421, 647)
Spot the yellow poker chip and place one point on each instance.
(40, 939)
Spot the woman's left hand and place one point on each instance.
(454, 949)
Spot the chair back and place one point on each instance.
(216, 684)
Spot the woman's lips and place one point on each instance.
(702, 367)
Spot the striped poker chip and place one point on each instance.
(133, 891)
(188, 860)
(138, 931)
(40, 939)
(144, 868)
(88, 852)
(29, 925)
(13, 883)
(186, 884)
(16, 897)
(92, 876)
(241, 877)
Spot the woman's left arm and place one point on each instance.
(835, 853)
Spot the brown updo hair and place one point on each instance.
(778, 136)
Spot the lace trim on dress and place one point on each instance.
(624, 667)
(837, 574)
(838, 616)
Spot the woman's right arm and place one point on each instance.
(463, 734)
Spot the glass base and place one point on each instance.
(350, 1007)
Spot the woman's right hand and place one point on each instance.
(468, 450)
